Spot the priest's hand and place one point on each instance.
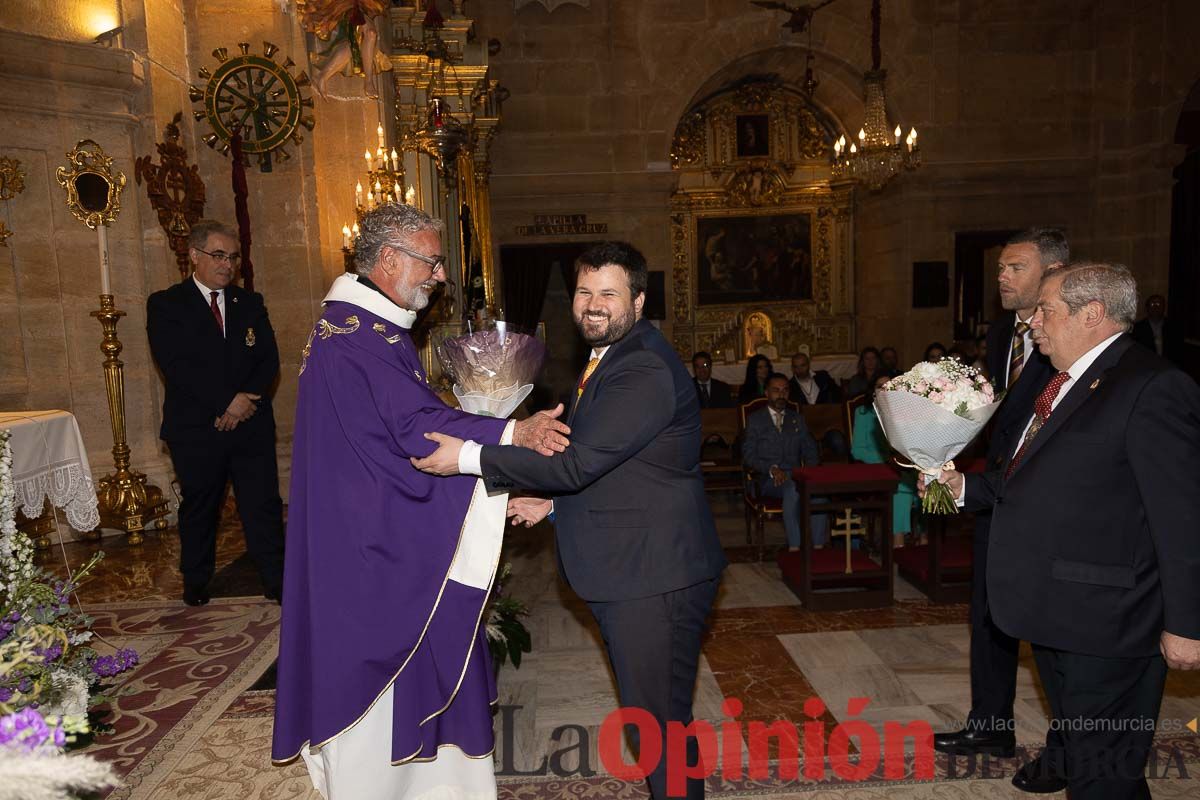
(542, 432)
(1178, 651)
(444, 460)
(528, 511)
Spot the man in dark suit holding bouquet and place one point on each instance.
(1095, 544)
(635, 535)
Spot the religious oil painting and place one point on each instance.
(754, 259)
(752, 135)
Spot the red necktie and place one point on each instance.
(1041, 412)
(216, 311)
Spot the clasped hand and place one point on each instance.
(541, 432)
(241, 408)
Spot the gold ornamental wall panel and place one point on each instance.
(762, 238)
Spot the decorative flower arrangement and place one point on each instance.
(929, 414)
(508, 638)
(49, 675)
(493, 371)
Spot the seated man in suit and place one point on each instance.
(1156, 332)
(712, 392)
(777, 440)
(809, 388)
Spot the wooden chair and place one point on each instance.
(719, 461)
(823, 418)
(758, 508)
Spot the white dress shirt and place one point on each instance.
(207, 292)
(809, 387)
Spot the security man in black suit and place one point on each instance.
(711, 392)
(636, 539)
(1019, 370)
(1095, 550)
(1157, 331)
(214, 344)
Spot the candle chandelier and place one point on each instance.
(385, 184)
(878, 155)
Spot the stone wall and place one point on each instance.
(1055, 113)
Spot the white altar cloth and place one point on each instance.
(49, 460)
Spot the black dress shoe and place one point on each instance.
(1032, 778)
(195, 595)
(968, 742)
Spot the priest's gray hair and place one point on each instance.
(389, 224)
(1111, 285)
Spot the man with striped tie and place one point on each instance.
(1021, 372)
(636, 538)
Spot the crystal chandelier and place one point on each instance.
(878, 155)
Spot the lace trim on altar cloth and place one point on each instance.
(69, 487)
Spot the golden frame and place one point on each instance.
(91, 203)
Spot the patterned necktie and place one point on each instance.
(1041, 413)
(216, 312)
(587, 374)
(777, 418)
(705, 399)
(1016, 360)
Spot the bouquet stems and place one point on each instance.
(938, 499)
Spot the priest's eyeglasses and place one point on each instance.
(435, 262)
(220, 255)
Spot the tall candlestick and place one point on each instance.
(379, 131)
(396, 190)
(102, 235)
(395, 161)
(345, 237)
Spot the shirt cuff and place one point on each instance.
(960, 501)
(472, 452)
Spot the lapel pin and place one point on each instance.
(1095, 383)
(250, 340)
(234, 299)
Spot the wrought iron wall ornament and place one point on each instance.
(93, 187)
(12, 183)
(257, 97)
(175, 189)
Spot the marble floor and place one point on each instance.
(910, 661)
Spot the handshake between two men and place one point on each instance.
(541, 432)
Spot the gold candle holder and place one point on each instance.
(127, 501)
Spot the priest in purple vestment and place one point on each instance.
(385, 681)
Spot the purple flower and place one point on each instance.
(109, 666)
(25, 686)
(6, 694)
(24, 730)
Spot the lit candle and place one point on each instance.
(345, 237)
(837, 148)
(411, 195)
(853, 149)
(379, 131)
(897, 132)
(395, 161)
(370, 199)
(862, 135)
(378, 188)
(367, 156)
(354, 230)
(396, 190)
(358, 194)
(913, 135)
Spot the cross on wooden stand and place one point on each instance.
(848, 525)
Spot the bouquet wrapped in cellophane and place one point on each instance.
(493, 370)
(929, 414)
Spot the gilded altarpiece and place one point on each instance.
(762, 239)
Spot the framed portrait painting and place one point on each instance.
(750, 259)
(752, 135)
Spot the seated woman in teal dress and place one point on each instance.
(870, 447)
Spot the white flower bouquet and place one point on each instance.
(929, 414)
(493, 370)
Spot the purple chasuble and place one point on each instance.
(370, 542)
